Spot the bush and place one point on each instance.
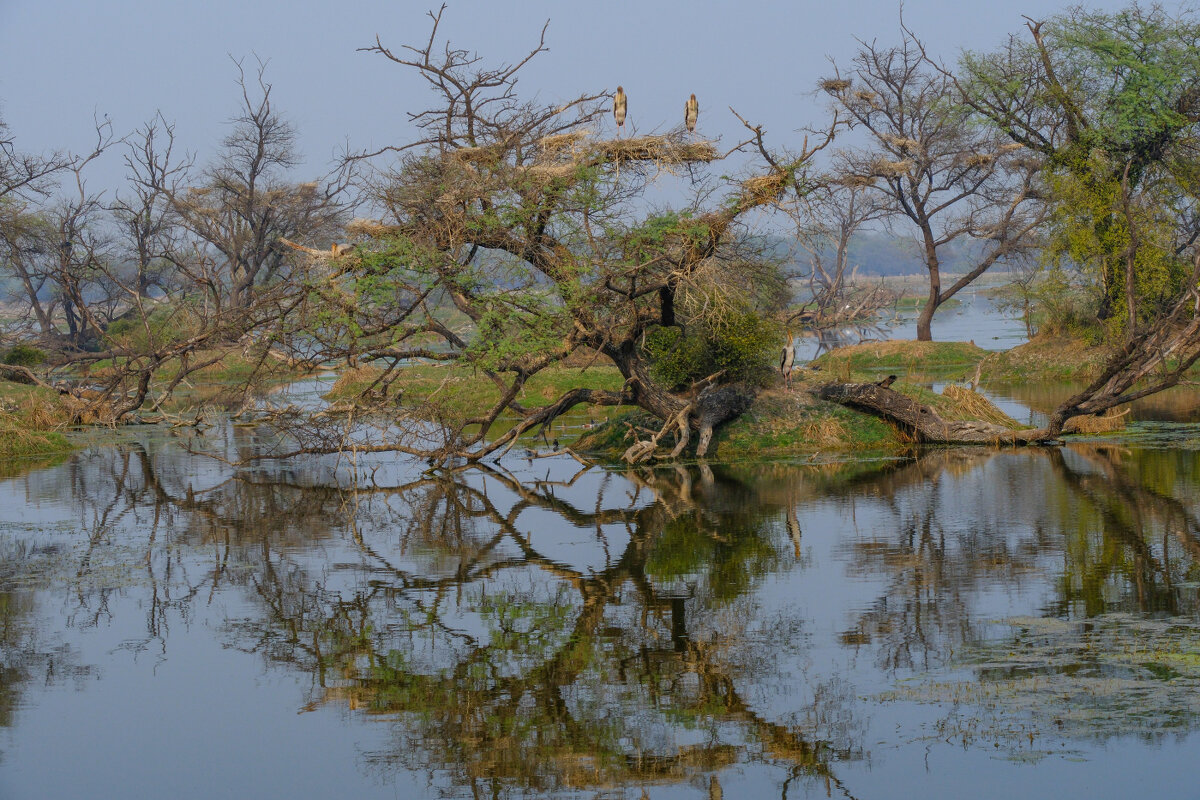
(23, 355)
(744, 344)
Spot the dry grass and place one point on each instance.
(1044, 358)
(824, 432)
(972, 405)
(354, 381)
(1109, 421)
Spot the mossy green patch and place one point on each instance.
(908, 359)
(464, 392)
(1046, 358)
(779, 423)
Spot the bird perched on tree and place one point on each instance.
(691, 112)
(620, 105)
(787, 360)
(886, 382)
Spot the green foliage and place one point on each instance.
(1134, 70)
(1095, 226)
(1124, 95)
(23, 355)
(745, 345)
(162, 326)
(1066, 306)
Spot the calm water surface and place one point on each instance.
(962, 623)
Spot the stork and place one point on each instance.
(620, 105)
(787, 359)
(691, 111)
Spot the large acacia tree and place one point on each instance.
(514, 237)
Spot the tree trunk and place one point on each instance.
(919, 420)
(925, 320)
(713, 406)
(717, 405)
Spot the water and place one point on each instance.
(974, 319)
(966, 622)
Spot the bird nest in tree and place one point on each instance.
(765, 186)
(1027, 162)
(561, 141)
(660, 149)
(547, 173)
(866, 96)
(979, 159)
(856, 181)
(1010, 147)
(901, 143)
(891, 169)
(369, 227)
(835, 85)
(479, 155)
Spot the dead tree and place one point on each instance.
(243, 203)
(828, 219)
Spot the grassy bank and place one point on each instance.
(30, 419)
(910, 360)
(1046, 358)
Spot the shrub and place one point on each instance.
(744, 344)
(23, 355)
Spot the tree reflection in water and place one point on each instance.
(595, 630)
(506, 666)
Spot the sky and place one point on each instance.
(64, 62)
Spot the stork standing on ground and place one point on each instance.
(691, 112)
(787, 360)
(620, 105)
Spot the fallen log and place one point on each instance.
(919, 420)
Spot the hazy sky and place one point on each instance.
(61, 61)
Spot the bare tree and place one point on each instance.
(244, 202)
(146, 221)
(26, 179)
(947, 178)
(828, 219)
(55, 251)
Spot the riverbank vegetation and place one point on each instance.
(512, 262)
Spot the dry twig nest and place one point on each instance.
(901, 143)
(891, 169)
(835, 85)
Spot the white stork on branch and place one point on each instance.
(691, 112)
(620, 106)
